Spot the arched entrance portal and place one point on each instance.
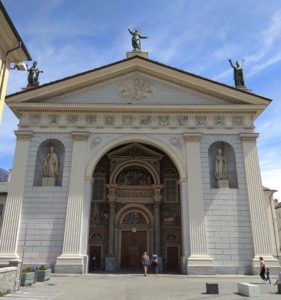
(135, 207)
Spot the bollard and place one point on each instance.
(212, 288)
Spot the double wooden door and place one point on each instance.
(132, 248)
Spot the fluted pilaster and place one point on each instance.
(199, 258)
(11, 222)
(72, 245)
(259, 220)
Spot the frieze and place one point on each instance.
(109, 120)
(137, 120)
(163, 120)
(72, 119)
(145, 120)
(91, 120)
(127, 120)
(201, 121)
(237, 121)
(35, 119)
(182, 120)
(53, 119)
(219, 121)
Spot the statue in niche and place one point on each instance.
(136, 37)
(220, 166)
(238, 74)
(50, 168)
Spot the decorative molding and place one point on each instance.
(192, 137)
(123, 119)
(23, 135)
(249, 137)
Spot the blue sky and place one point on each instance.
(70, 36)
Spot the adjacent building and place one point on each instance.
(12, 50)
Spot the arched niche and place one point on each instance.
(42, 152)
(229, 156)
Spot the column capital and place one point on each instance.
(183, 181)
(192, 137)
(249, 137)
(23, 135)
(80, 135)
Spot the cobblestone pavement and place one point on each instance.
(138, 287)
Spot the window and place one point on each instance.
(99, 189)
(171, 190)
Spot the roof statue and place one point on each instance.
(238, 74)
(33, 75)
(136, 37)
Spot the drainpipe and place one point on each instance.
(3, 70)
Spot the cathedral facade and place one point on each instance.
(131, 157)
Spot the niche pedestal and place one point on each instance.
(223, 184)
(48, 181)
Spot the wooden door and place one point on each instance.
(95, 251)
(172, 259)
(132, 247)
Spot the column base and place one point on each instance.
(110, 264)
(6, 257)
(270, 262)
(200, 265)
(70, 264)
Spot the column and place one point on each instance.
(199, 262)
(156, 208)
(12, 215)
(258, 213)
(110, 258)
(184, 224)
(72, 258)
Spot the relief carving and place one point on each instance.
(72, 119)
(182, 120)
(91, 120)
(163, 120)
(127, 120)
(237, 121)
(145, 120)
(219, 121)
(136, 89)
(201, 121)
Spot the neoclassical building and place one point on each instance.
(137, 156)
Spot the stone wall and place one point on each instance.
(44, 209)
(228, 225)
(8, 278)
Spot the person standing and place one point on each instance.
(262, 269)
(154, 262)
(145, 262)
(267, 272)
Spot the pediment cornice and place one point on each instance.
(144, 67)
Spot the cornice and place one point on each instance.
(249, 137)
(23, 135)
(151, 69)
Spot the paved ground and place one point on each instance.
(138, 287)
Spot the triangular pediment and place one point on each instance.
(134, 150)
(134, 81)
